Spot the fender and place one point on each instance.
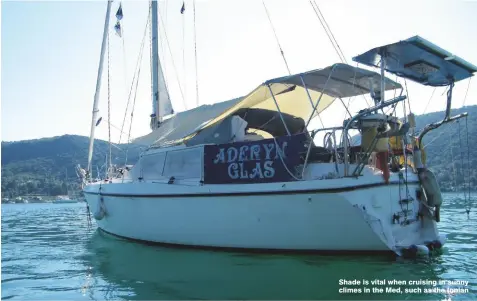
(100, 211)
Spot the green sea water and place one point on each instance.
(49, 253)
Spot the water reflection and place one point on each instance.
(143, 272)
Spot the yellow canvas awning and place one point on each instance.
(296, 95)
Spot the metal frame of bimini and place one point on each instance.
(371, 82)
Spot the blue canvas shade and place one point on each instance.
(419, 60)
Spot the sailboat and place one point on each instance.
(248, 174)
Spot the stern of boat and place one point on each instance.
(403, 213)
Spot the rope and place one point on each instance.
(407, 98)
(121, 132)
(195, 54)
(466, 199)
(404, 147)
(429, 101)
(134, 76)
(454, 170)
(404, 107)
(88, 216)
(441, 133)
(466, 91)
(283, 161)
(462, 166)
(461, 155)
(276, 37)
(468, 166)
(109, 110)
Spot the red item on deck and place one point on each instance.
(382, 159)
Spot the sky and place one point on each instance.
(50, 53)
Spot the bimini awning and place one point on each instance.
(419, 60)
(296, 95)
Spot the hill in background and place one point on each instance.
(47, 166)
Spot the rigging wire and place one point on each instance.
(162, 44)
(333, 41)
(466, 181)
(466, 91)
(349, 99)
(109, 107)
(135, 73)
(138, 66)
(276, 37)
(133, 106)
(183, 54)
(407, 99)
(404, 146)
(120, 131)
(462, 160)
(173, 64)
(330, 35)
(124, 59)
(429, 101)
(437, 136)
(195, 53)
(468, 205)
(454, 169)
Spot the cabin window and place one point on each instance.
(184, 163)
(152, 166)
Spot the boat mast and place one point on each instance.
(160, 96)
(154, 67)
(98, 88)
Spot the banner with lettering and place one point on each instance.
(253, 161)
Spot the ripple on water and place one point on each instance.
(49, 253)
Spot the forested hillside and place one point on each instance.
(47, 166)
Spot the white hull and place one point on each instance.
(337, 214)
